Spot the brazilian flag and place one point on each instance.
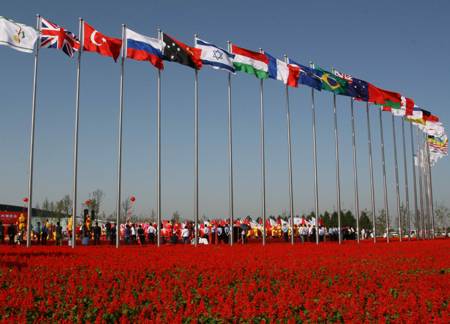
(331, 82)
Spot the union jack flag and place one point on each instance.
(54, 36)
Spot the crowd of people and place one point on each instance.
(209, 232)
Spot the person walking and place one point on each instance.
(141, 234)
(58, 234)
(2, 233)
(97, 233)
(185, 235)
(12, 231)
(112, 236)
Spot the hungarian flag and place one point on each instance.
(94, 41)
(176, 51)
(280, 70)
(250, 62)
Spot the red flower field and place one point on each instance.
(396, 282)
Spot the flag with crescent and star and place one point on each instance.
(215, 56)
(54, 36)
(176, 51)
(94, 41)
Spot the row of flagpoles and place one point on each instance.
(262, 65)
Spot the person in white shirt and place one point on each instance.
(185, 235)
(151, 233)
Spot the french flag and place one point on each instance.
(144, 48)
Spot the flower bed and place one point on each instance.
(397, 282)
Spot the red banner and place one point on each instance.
(10, 217)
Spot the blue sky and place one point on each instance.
(397, 45)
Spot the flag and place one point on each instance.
(356, 88)
(331, 82)
(416, 117)
(143, 48)
(280, 70)
(54, 36)
(308, 76)
(214, 56)
(176, 51)
(18, 36)
(94, 41)
(250, 62)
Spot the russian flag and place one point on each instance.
(144, 48)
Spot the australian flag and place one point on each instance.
(308, 76)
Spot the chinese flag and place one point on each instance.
(94, 41)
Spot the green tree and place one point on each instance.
(365, 220)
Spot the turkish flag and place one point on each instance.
(94, 41)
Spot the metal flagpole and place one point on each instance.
(291, 184)
(75, 144)
(419, 170)
(196, 154)
(338, 176)
(355, 170)
(316, 182)
(386, 203)
(263, 158)
(397, 187)
(405, 168)
(430, 190)
(230, 157)
(119, 162)
(372, 182)
(158, 157)
(425, 192)
(33, 118)
(416, 213)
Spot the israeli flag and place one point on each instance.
(214, 56)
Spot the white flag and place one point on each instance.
(214, 56)
(18, 36)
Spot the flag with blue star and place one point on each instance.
(215, 56)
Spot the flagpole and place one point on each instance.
(230, 157)
(386, 203)
(119, 163)
(33, 118)
(419, 170)
(425, 191)
(397, 186)
(291, 184)
(338, 176)
(75, 144)
(372, 181)
(430, 190)
(263, 158)
(158, 158)
(316, 182)
(430, 186)
(405, 168)
(196, 154)
(413, 167)
(355, 170)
